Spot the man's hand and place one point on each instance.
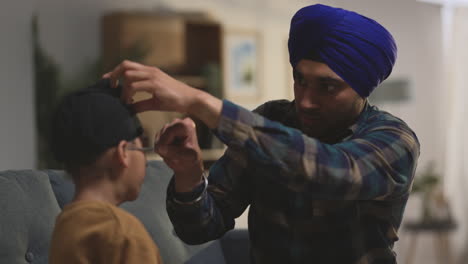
(178, 145)
(168, 94)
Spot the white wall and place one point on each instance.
(17, 137)
(417, 31)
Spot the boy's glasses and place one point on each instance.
(145, 150)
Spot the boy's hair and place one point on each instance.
(88, 122)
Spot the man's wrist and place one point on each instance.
(206, 108)
(193, 196)
(185, 182)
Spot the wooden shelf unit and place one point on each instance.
(181, 44)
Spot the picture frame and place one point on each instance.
(241, 53)
(392, 90)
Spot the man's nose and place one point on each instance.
(309, 100)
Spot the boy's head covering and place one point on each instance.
(357, 48)
(88, 122)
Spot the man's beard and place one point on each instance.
(326, 132)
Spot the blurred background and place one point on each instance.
(237, 49)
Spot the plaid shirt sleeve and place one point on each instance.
(376, 163)
(226, 198)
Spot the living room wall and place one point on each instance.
(17, 134)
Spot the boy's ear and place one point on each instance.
(122, 153)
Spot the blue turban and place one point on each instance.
(357, 48)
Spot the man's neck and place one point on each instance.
(359, 113)
(342, 132)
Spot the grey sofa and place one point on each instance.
(31, 199)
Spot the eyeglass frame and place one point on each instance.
(145, 150)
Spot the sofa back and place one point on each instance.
(27, 214)
(30, 201)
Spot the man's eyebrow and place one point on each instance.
(330, 79)
(325, 78)
(297, 72)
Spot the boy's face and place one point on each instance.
(136, 170)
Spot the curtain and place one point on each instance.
(456, 163)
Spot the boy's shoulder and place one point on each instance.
(104, 228)
(100, 215)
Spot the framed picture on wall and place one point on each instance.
(241, 65)
(392, 90)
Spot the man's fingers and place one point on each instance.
(145, 105)
(173, 136)
(131, 76)
(139, 86)
(175, 144)
(114, 75)
(179, 154)
(175, 148)
(129, 90)
(189, 121)
(120, 69)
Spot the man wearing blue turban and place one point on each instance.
(327, 176)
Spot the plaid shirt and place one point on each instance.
(310, 201)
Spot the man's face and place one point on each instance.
(324, 102)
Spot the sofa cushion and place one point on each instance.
(62, 185)
(28, 210)
(150, 208)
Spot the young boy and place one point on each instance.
(98, 140)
